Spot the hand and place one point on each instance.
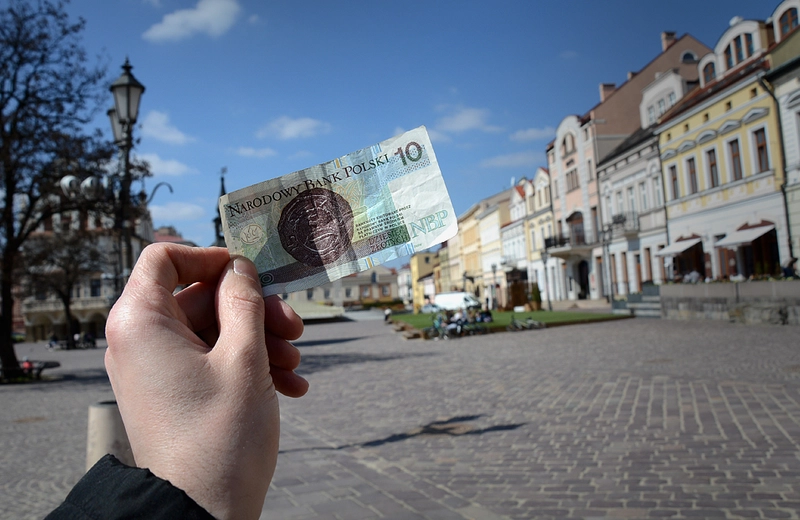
(195, 374)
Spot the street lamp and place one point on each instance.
(127, 93)
(607, 234)
(545, 258)
(494, 286)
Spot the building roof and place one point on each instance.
(698, 95)
(639, 136)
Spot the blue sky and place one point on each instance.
(265, 88)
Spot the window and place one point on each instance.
(762, 157)
(572, 180)
(95, 288)
(609, 206)
(692, 171)
(366, 291)
(385, 290)
(736, 159)
(327, 293)
(748, 43)
(643, 191)
(631, 200)
(348, 292)
(737, 45)
(671, 98)
(709, 73)
(728, 57)
(651, 115)
(620, 204)
(713, 172)
(673, 179)
(657, 189)
(533, 240)
(589, 169)
(662, 107)
(309, 294)
(788, 21)
(568, 145)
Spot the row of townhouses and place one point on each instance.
(691, 165)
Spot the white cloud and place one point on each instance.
(156, 125)
(254, 19)
(177, 211)
(165, 167)
(211, 17)
(288, 128)
(462, 119)
(533, 134)
(260, 153)
(514, 160)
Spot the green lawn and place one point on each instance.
(502, 319)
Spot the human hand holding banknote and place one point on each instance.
(343, 216)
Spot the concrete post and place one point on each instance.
(106, 434)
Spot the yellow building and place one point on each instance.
(721, 164)
(470, 252)
(422, 266)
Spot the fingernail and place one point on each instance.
(244, 267)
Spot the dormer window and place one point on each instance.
(788, 21)
(748, 42)
(709, 73)
(729, 57)
(689, 57)
(737, 44)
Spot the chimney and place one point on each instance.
(606, 89)
(667, 39)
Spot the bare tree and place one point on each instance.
(48, 94)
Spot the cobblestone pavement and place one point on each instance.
(629, 419)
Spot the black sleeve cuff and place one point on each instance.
(112, 490)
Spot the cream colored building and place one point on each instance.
(491, 217)
(540, 227)
(375, 285)
(583, 141)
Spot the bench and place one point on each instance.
(39, 366)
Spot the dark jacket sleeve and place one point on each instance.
(112, 490)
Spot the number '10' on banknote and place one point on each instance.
(340, 217)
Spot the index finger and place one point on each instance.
(169, 265)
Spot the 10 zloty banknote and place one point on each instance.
(341, 217)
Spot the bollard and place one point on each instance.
(106, 434)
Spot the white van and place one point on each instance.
(454, 301)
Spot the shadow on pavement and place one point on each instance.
(455, 426)
(318, 342)
(94, 376)
(317, 362)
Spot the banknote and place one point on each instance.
(340, 217)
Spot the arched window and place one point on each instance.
(568, 145)
(709, 73)
(729, 57)
(689, 57)
(788, 21)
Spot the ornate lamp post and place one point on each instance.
(545, 258)
(127, 93)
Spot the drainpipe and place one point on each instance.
(768, 89)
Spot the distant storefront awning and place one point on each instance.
(743, 237)
(678, 247)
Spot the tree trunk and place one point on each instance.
(8, 356)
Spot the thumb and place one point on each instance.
(240, 312)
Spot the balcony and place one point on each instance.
(571, 245)
(626, 224)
